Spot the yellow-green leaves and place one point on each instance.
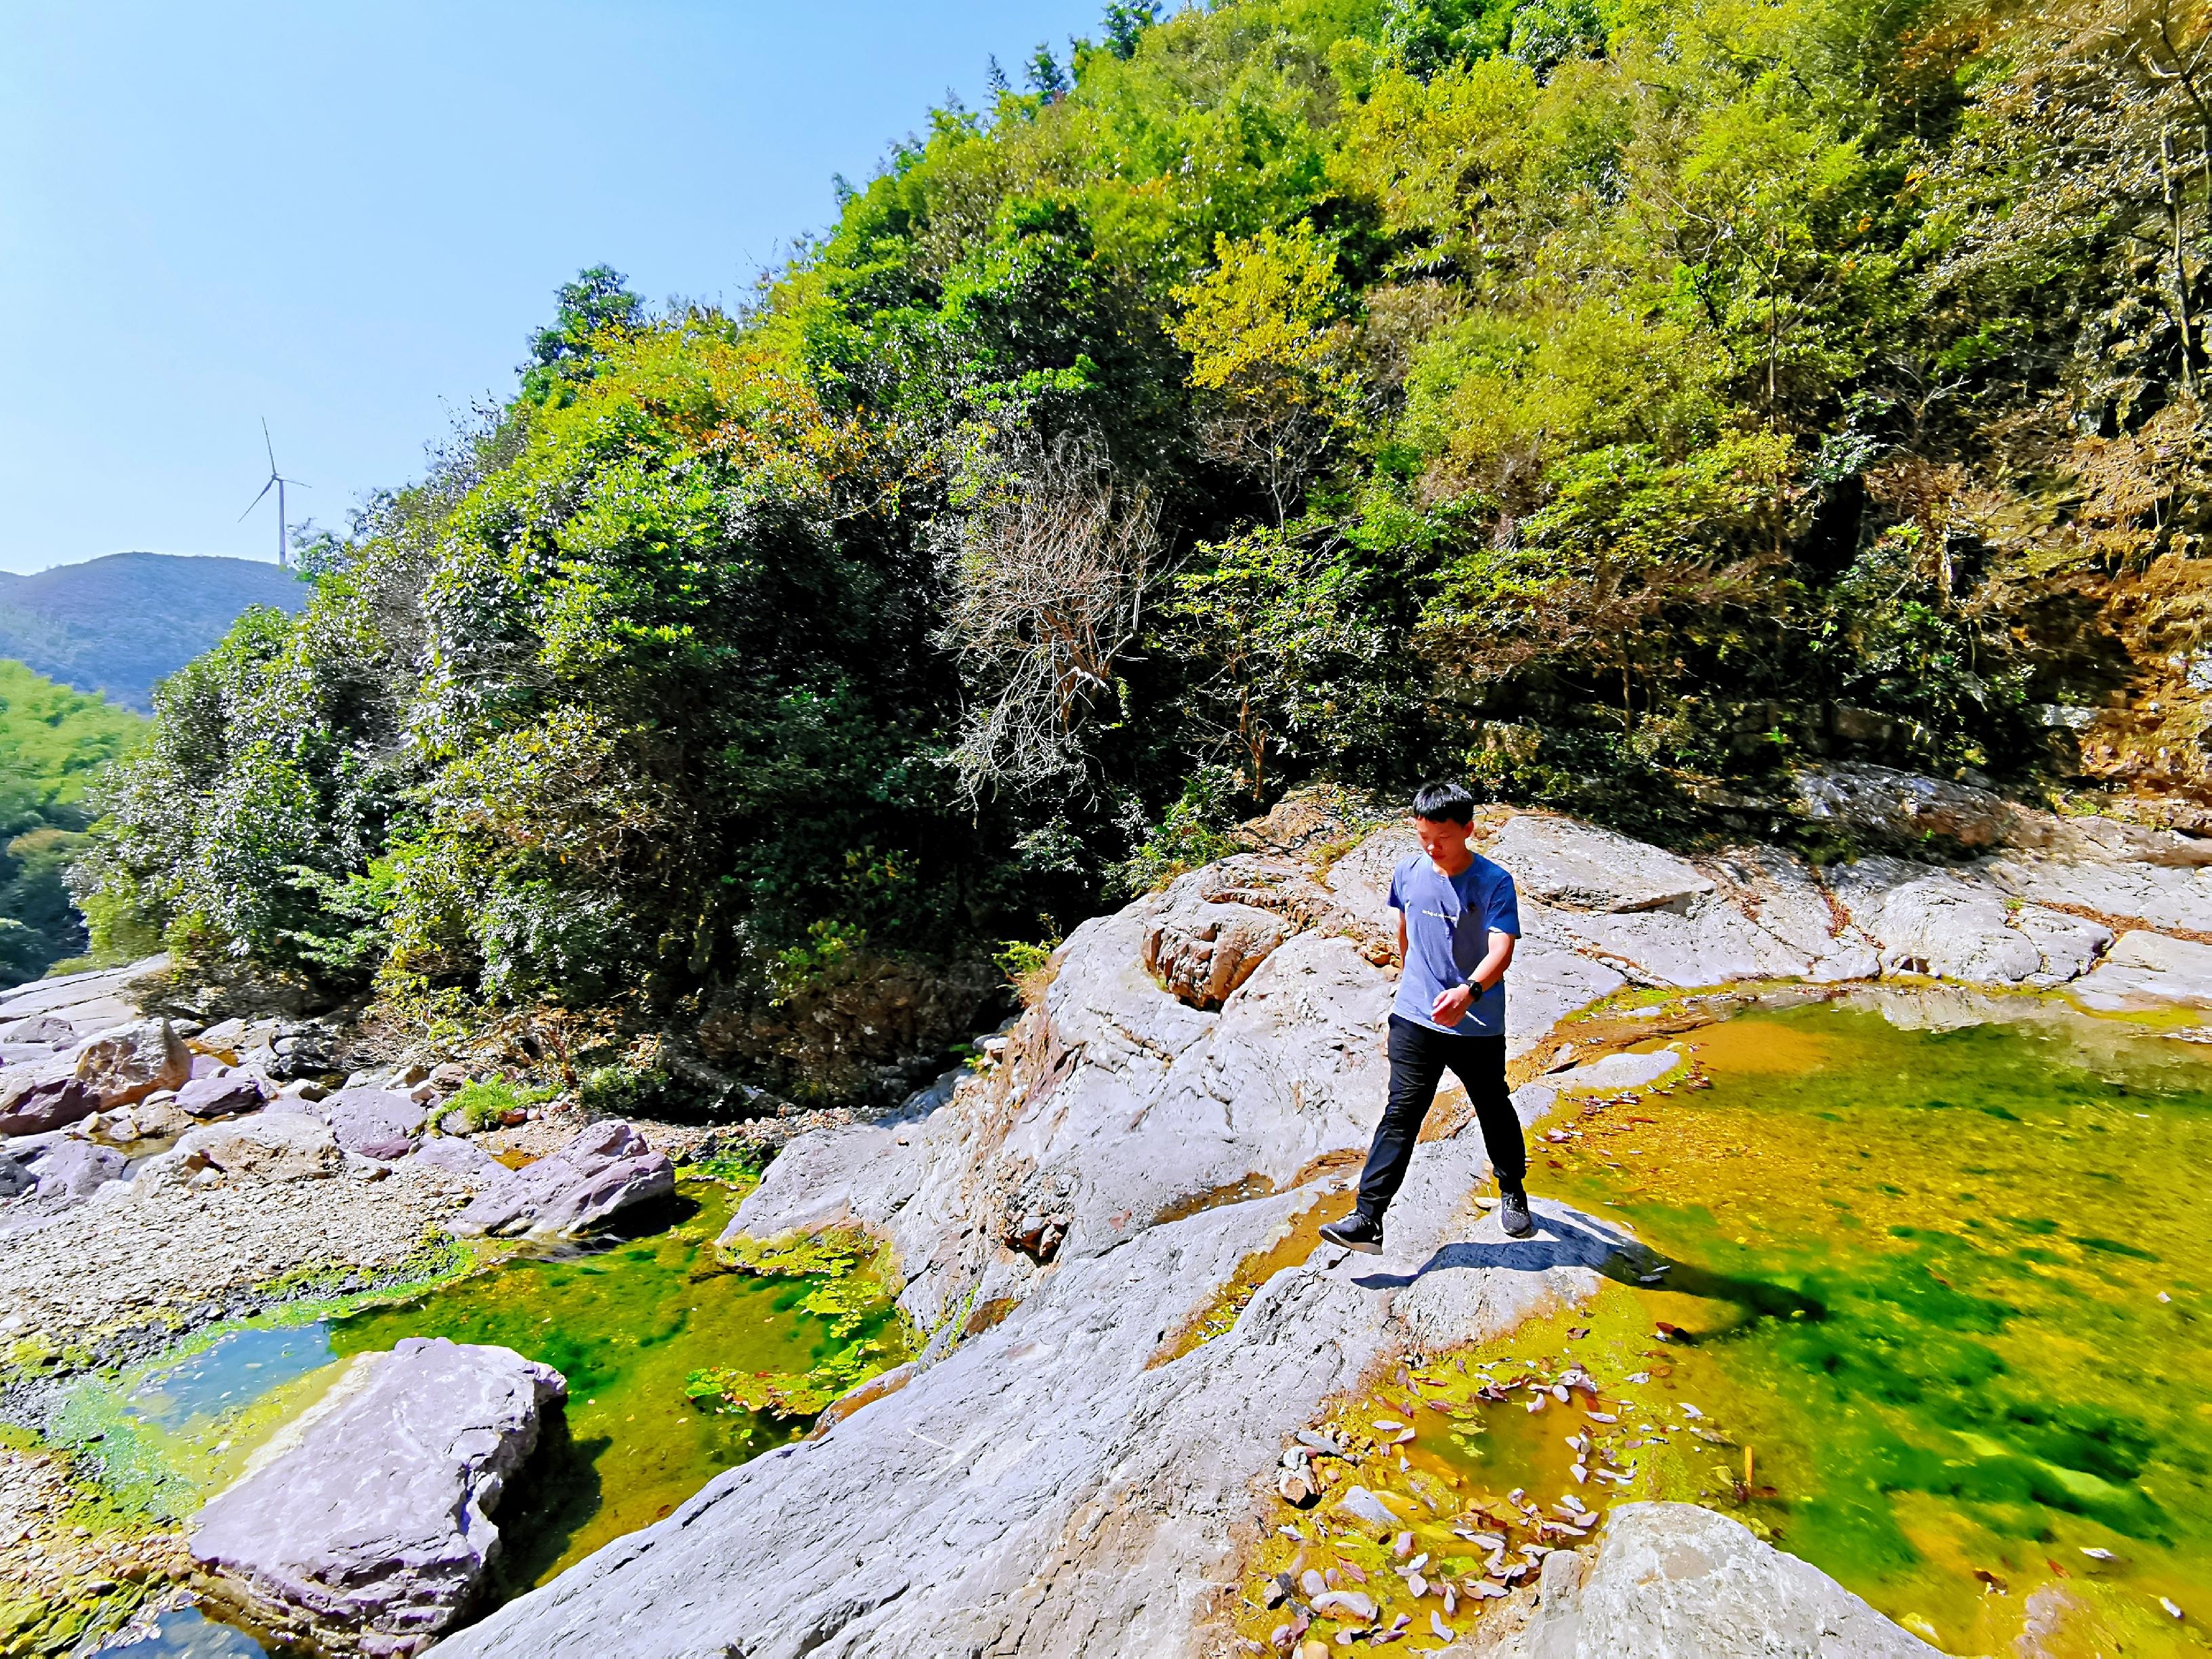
(1268, 357)
(1261, 319)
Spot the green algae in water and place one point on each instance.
(628, 1326)
(629, 1322)
(1949, 1285)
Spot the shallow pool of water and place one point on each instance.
(1948, 1284)
(627, 1321)
(186, 1633)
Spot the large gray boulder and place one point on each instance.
(1671, 1580)
(1661, 920)
(84, 1004)
(371, 1513)
(377, 1123)
(267, 1145)
(76, 1169)
(605, 1168)
(122, 1067)
(2138, 891)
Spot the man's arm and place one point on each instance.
(1401, 939)
(1452, 1006)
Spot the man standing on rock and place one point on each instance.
(1458, 918)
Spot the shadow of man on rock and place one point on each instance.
(1564, 1239)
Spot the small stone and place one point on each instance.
(1340, 1603)
(1364, 1506)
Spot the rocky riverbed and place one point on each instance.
(1104, 1231)
(1063, 1472)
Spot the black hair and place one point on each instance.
(1446, 801)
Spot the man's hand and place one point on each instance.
(1451, 1007)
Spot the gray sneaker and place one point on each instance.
(1513, 1210)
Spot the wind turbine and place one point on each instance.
(277, 482)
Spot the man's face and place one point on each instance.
(1444, 840)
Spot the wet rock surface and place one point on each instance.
(372, 1512)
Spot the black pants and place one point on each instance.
(1419, 1057)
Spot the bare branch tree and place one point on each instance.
(1049, 581)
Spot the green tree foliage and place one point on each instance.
(1619, 399)
(595, 310)
(53, 743)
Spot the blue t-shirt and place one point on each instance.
(1448, 921)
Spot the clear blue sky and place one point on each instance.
(347, 216)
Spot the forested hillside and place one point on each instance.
(53, 741)
(1619, 401)
(117, 624)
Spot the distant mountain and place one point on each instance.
(116, 625)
